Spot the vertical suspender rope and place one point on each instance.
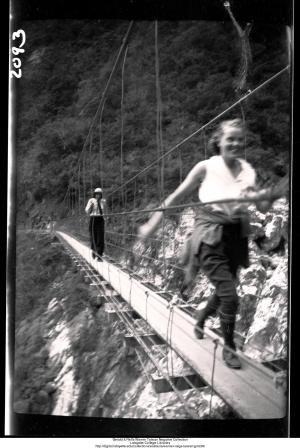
(79, 202)
(289, 43)
(134, 195)
(68, 202)
(122, 198)
(205, 144)
(159, 138)
(160, 173)
(83, 178)
(180, 166)
(72, 201)
(157, 111)
(91, 162)
(101, 170)
(216, 342)
(122, 121)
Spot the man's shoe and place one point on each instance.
(231, 359)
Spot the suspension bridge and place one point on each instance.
(150, 314)
(251, 392)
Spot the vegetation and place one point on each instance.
(66, 66)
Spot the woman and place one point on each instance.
(96, 208)
(219, 244)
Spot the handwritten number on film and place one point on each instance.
(20, 34)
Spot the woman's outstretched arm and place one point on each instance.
(190, 183)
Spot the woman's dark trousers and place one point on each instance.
(96, 229)
(220, 264)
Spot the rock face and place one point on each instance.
(266, 338)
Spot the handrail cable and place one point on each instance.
(263, 197)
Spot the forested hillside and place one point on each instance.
(66, 67)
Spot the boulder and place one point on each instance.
(273, 234)
(50, 388)
(42, 397)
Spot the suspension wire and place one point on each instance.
(91, 161)
(169, 337)
(83, 181)
(180, 165)
(101, 152)
(216, 342)
(124, 41)
(159, 141)
(134, 195)
(122, 120)
(79, 202)
(72, 202)
(158, 148)
(265, 196)
(205, 143)
(215, 118)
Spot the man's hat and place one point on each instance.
(98, 190)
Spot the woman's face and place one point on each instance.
(231, 143)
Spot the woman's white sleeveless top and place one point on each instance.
(219, 183)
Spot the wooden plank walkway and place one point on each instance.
(251, 391)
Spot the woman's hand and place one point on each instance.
(145, 231)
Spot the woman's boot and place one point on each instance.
(211, 307)
(230, 358)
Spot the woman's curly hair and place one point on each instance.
(213, 144)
